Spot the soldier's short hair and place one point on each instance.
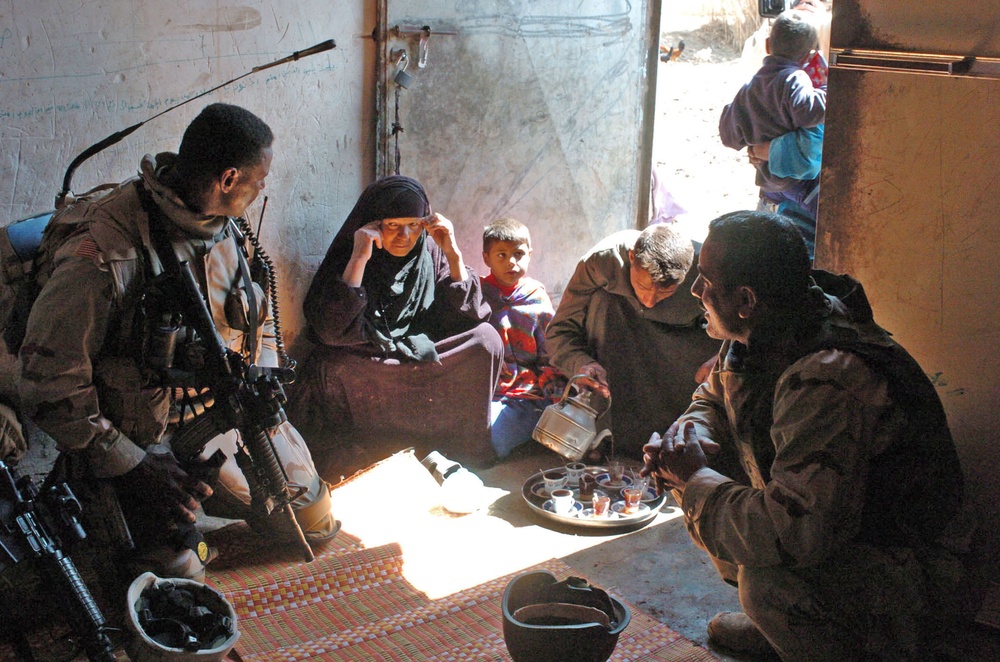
(665, 252)
(222, 136)
(764, 251)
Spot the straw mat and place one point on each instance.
(354, 602)
(356, 605)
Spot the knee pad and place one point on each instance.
(316, 517)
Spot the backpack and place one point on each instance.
(19, 244)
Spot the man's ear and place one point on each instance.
(747, 301)
(486, 260)
(227, 180)
(767, 45)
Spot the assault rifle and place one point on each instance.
(29, 520)
(244, 397)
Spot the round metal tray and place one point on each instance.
(536, 502)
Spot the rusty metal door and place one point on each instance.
(541, 111)
(910, 195)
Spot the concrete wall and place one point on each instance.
(908, 206)
(74, 72)
(538, 110)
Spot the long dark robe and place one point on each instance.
(407, 359)
(651, 367)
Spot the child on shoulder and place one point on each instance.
(521, 311)
(787, 93)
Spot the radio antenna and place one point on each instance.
(66, 196)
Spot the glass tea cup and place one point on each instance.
(633, 499)
(616, 472)
(639, 482)
(588, 482)
(602, 504)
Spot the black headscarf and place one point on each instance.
(398, 289)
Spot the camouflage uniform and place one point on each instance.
(81, 382)
(12, 443)
(847, 478)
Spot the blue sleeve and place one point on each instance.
(797, 154)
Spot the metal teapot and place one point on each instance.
(569, 427)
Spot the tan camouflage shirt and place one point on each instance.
(79, 382)
(832, 415)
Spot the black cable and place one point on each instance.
(272, 285)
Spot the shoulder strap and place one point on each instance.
(165, 250)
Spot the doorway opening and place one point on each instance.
(708, 50)
(696, 177)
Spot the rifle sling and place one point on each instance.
(165, 251)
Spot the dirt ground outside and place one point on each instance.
(703, 176)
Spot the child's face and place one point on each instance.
(508, 261)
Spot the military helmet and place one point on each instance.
(545, 620)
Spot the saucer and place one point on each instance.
(604, 480)
(588, 513)
(619, 507)
(573, 512)
(538, 489)
(650, 494)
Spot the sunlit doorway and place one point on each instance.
(708, 49)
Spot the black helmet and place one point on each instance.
(545, 620)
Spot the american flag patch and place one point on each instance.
(88, 248)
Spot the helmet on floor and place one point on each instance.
(545, 620)
(178, 620)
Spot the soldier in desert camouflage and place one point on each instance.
(815, 465)
(83, 379)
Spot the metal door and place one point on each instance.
(910, 196)
(541, 111)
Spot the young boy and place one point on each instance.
(781, 97)
(521, 311)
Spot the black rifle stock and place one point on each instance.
(27, 523)
(247, 398)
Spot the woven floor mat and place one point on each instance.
(239, 547)
(356, 605)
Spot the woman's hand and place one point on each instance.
(365, 238)
(442, 231)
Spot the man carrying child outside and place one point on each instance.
(521, 311)
(786, 94)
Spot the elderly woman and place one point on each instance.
(405, 353)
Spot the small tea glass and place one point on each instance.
(616, 472)
(633, 500)
(602, 504)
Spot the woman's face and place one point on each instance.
(400, 234)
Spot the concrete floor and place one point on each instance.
(656, 568)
